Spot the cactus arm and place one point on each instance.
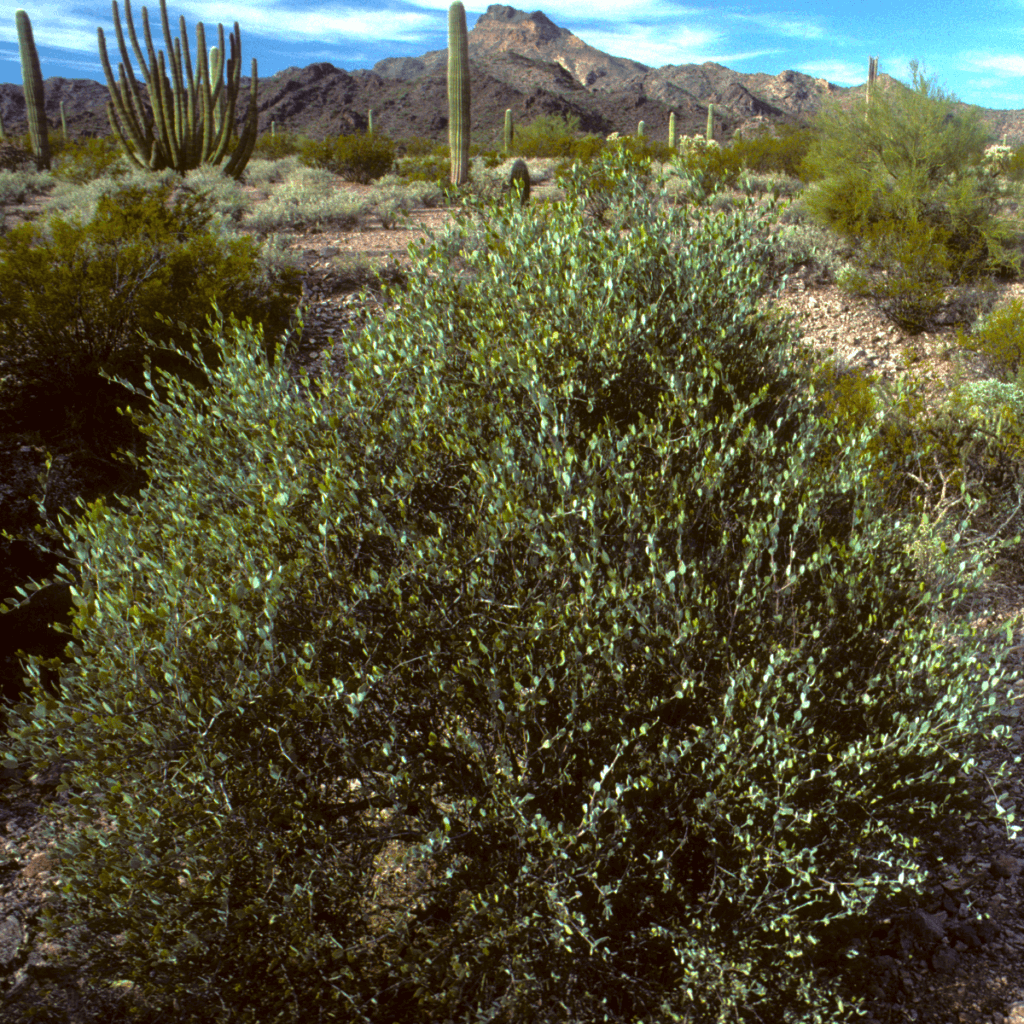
(161, 98)
(217, 83)
(130, 108)
(128, 147)
(206, 70)
(195, 130)
(458, 93)
(158, 152)
(234, 81)
(32, 80)
(246, 144)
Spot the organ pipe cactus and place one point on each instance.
(458, 93)
(711, 122)
(32, 79)
(181, 132)
(672, 131)
(508, 131)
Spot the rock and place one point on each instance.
(1004, 866)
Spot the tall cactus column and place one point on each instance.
(508, 131)
(872, 75)
(672, 131)
(32, 78)
(458, 93)
(711, 122)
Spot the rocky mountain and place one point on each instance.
(518, 60)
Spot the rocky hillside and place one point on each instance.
(519, 61)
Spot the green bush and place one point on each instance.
(90, 159)
(73, 305)
(359, 158)
(276, 146)
(783, 153)
(525, 673)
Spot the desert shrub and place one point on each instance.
(90, 159)
(359, 158)
(779, 153)
(277, 146)
(999, 337)
(548, 135)
(416, 145)
(71, 304)
(596, 185)
(526, 673)
(705, 169)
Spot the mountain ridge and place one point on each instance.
(518, 60)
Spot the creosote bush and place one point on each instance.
(359, 158)
(76, 299)
(545, 605)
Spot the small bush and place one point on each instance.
(276, 147)
(779, 153)
(530, 672)
(91, 159)
(999, 337)
(359, 158)
(71, 306)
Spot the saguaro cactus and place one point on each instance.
(184, 136)
(458, 93)
(711, 122)
(672, 131)
(872, 75)
(32, 79)
(63, 121)
(369, 122)
(508, 131)
(640, 130)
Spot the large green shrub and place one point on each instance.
(74, 298)
(524, 673)
(359, 158)
(90, 159)
(906, 162)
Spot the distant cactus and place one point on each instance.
(519, 181)
(458, 93)
(672, 131)
(872, 75)
(63, 121)
(369, 122)
(711, 122)
(32, 79)
(640, 130)
(508, 131)
(271, 129)
(177, 135)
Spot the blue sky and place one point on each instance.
(979, 58)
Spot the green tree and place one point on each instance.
(899, 178)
